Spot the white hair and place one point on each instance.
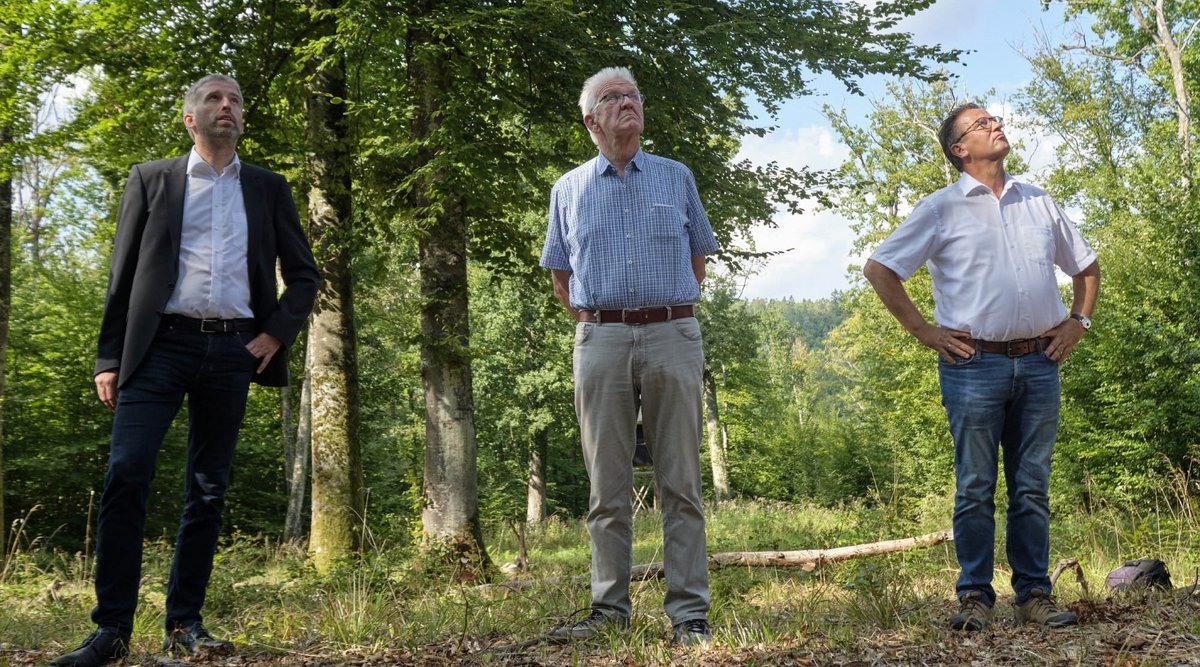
(587, 97)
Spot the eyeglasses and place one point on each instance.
(985, 123)
(617, 98)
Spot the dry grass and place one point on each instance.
(881, 611)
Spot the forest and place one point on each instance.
(429, 440)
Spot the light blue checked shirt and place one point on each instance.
(628, 243)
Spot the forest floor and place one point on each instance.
(881, 610)
(1118, 633)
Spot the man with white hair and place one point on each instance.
(192, 310)
(626, 243)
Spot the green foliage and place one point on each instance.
(1130, 391)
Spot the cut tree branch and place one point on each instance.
(807, 559)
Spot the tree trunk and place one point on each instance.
(450, 518)
(1159, 31)
(296, 467)
(6, 218)
(337, 504)
(716, 452)
(535, 498)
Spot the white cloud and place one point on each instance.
(817, 243)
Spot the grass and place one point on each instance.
(881, 610)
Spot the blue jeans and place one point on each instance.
(213, 371)
(992, 400)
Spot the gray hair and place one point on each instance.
(946, 131)
(587, 97)
(191, 99)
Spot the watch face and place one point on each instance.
(1084, 320)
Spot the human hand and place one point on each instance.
(1063, 338)
(106, 389)
(946, 341)
(264, 346)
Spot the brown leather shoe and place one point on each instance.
(1040, 608)
(194, 639)
(973, 613)
(102, 647)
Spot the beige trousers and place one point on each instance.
(657, 368)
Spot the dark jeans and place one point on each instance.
(213, 371)
(992, 399)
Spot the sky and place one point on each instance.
(819, 242)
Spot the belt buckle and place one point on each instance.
(218, 326)
(639, 315)
(1012, 346)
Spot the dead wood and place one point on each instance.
(1069, 564)
(807, 559)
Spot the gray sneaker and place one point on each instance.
(693, 633)
(589, 627)
(973, 615)
(1040, 608)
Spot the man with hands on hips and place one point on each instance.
(1001, 331)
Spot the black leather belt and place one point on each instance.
(241, 324)
(638, 316)
(1014, 348)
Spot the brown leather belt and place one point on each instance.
(638, 316)
(1014, 348)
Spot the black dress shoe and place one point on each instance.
(195, 640)
(104, 646)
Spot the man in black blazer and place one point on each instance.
(192, 310)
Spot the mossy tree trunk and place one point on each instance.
(450, 517)
(6, 218)
(337, 504)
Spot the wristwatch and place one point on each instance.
(1083, 319)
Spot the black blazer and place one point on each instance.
(145, 264)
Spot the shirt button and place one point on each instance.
(629, 262)
(628, 235)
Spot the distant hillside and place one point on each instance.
(814, 318)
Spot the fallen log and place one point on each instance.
(807, 560)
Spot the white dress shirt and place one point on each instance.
(214, 280)
(992, 260)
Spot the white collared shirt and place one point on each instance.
(214, 279)
(992, 260)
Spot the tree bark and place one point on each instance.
(296, 467)
(1159, 30)
(6, 218)
(716, 452)
(535, 498)
(337, 503)
(450, 518)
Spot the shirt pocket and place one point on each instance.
(1037, 242)
(666, 222)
